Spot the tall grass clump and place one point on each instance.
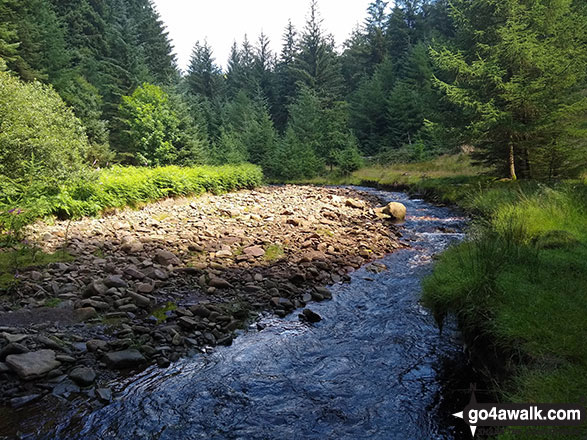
(520, 283)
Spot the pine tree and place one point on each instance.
(517, 70)
(203, 76)
(285, 78)
(317, 65)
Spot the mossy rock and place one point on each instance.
(555, 240)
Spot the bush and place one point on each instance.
(39, 134)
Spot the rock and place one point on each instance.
(4, 368)
(65, 358)
(297, 278)
(224, 253)
(282, 303)
(395, 210)
(104, 394)
(187, 322)
(83, 376)
(12, 348)
(200, 310)
(254, 251)
(140, 300)
(294, 221)
(353, 203)
(145, 288)
(14, 338)
(17, 402)
(115, 281)
(85, 313)
(134, 273)
(34, 364)
(310, 316)
(124, 359)
(132, 246)
(94, 345)
(165, 258)
(157, 274)
(306, 298)
(219, 283)
(36, 276)
(53, 343)
(97, 288)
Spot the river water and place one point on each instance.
(375, 367)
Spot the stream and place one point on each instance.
(375, 367)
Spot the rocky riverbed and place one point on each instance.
(175, 278)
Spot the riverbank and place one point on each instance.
(517, 285)
(174, 278)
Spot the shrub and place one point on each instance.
(39, 134)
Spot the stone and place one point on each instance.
(94, 345)
(34, 364)
(14, 338)
(187, 322)
(12, 348)
(353, 203)
(165, 258)
(97, 288)
(53, 343)
(310, 316)
(17, 402)
(85, 313)
(83, 376)
(132, 246)
(395, 210)
(115, 281)
(200, 310)
(140, 300)
(124, 358)
(104, 394)
(254, 251)
(219, 283)
(145, 287)
(134, 273)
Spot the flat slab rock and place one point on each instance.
(124, 359)
(34, 364)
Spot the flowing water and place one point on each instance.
(375, 367)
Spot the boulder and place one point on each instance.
(395, 210)
(254, 251)
(353, 203)
(83, 376)
(34, 364)
(165, 258)
(219, 283)
(115, 281)
(124, 358)
(310, 316)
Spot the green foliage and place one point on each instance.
(519, 280)
(118, 187)
(155, 132)
(39, 135)
(511, 75)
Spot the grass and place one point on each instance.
(274, 252)
(161, 313)
(521, 282)
(26, 257)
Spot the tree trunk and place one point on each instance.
(512, 163)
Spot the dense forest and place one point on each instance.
(507, 79)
